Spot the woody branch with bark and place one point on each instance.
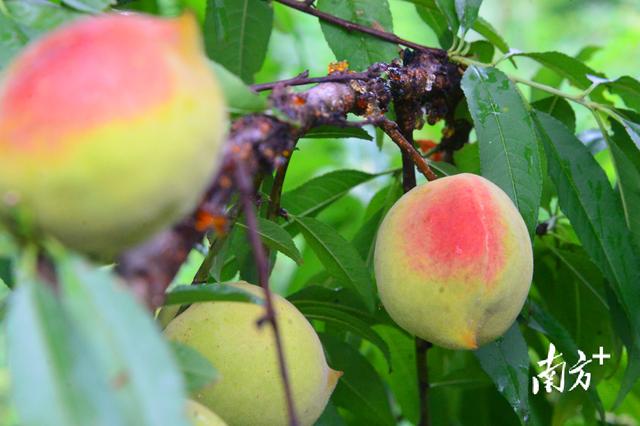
(423, 86)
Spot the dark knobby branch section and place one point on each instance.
(422, 86)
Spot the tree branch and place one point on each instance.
(305, 7)
(411, 156)
(303, 79)
(422, 347)
(260, 143)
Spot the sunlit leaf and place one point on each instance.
(509, 154)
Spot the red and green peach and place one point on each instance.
(453, 261)
(110, 129)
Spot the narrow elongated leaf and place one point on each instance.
(626, 160)
(195, 367)
(54, 373)
(345, 320)
(448, 9)
(633, 130)
(27, 20)
(360, 390)
(628, 88)
(597, 217)
(431, 14)
(275, 237)
(187, 294)
(467, 11)
(551, 78)
(506, 361)
(314, 195)
(559, 108)
(334, 132)
(240, 99)
(362, 50)
(338, 256)
(509, 154)
(486, 30)
(573, 69)
(236, 34)
(542, 321)
(130, 346)
(403, 377)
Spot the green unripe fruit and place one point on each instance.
(202, 416)
(250, 390)
(110, 129)
(453, 261)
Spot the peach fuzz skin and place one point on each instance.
(453, 261)
(111, 128)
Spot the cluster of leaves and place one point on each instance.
(587, 262)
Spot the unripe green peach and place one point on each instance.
(110, 129)
(250, 390)
(453, 261)
(202, 416)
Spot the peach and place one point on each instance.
(453, 261)
(110, 129)
(250, 390)
(202, 416)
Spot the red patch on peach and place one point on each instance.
(455, 229)
(90, 73)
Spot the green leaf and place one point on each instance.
(486, 30)
(51, 365)
(27, 20)
(506, 361)
(467, 11)
(322, 304)
(276, 238)
(565, 66)
(335, 132)
(448, 9)
(596, 214)
(314, 195)
(187, 294)
(633, 130)
(240, 98)
(559, 108)
(128, 343)
(626, 160)
(359, 50)
(468, 158)
(339, 257)
(482, 51)
(509, 154)
(403, 377)
(89, 6)
(628, 88)
(236, 34)
(360, 390)
(196, 369)
(542, 321)
(344, 320)
(431, 14)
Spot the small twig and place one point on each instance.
(422, 346)
(391, 129)
(243, 182)
(304, 79)
(303, 6)
(276, 190)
